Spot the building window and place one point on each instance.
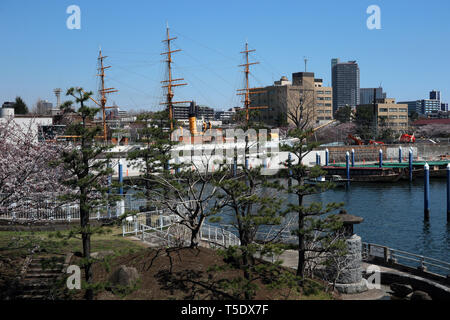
(393, 110)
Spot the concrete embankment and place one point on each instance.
(421, 151)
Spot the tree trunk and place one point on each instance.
(194, 238)
(301, 242)
(86, 239)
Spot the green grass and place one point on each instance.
(18, 244)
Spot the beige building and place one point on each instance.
(390, 114)
(305, 97)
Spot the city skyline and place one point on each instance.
(42, 54)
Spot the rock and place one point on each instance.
(124, 276)
(401, 290)
(420, 295)
(102, 254)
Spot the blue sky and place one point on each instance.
(409, 56)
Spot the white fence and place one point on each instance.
(47, 212)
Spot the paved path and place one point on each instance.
(290, 260)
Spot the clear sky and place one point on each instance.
(409, 56)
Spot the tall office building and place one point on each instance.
(345, 83)
(366, 95)
(435, 95)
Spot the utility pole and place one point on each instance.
(248, 91)
(375, 112)
(169, 83)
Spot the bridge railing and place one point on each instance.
(394, 256)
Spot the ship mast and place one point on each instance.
(103, 92)
(248, 91)
(170, 82)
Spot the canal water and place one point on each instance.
(393, 215)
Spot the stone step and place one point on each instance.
(38, 286)
(35, 292)
(40, 270)
(31, 297)
(47, 265)
(53, 275)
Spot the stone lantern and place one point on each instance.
(350, 279)
(348, 221)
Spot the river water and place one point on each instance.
(393, 215)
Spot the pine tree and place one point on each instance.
(20, 107)
(87, 165)
(316, 235)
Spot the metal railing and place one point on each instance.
(400, 257)
(218, 236)
(156, 220)
(157, 224)
(67, 212)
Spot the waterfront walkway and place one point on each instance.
(290, 260)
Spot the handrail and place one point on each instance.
(390, 255)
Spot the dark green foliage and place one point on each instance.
(20, 107)
(87, 170)
(316, 235)
(365, 122)
(344, 114)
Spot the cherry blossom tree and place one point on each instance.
(26, 174)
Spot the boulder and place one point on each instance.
(124, 276)
(401, 290)
(102, 254)
(420, 295)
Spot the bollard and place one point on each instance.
(380, 156)
(448, 192)
(109, 179)
(353, 157)
(426, 190)
(327, 157)
(289, 163)
(410, 164)
(400, 154)
(347, 165)
(120, 179)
